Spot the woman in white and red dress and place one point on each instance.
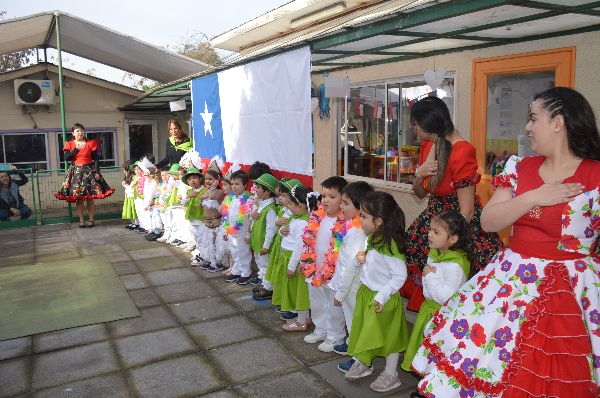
(528, 324)
(83, 181)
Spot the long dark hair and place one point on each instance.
(383, 205)
(580, 122)
(432, 115)
(456, 224)
(128, 172)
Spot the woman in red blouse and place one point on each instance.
(448, 173)
(83, 180)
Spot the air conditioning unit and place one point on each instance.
(34, 92)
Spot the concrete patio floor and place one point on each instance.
(196, 336)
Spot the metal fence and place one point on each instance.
(39, 192)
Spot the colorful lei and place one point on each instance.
(241, 217)
(320, 275)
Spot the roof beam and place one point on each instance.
(404, 21)
(585, 9)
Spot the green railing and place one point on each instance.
(46, 209)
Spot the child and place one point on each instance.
(294, 290)
(379, 326)
(318, 265)
(263, 228)
(154, 208)
(283, 215)
(167, 216)
(346, 279)
(276, 274)
(138, 194)
(161, 195)
(128, 212)
(447, 269)
(236, 217)
(184, 236)
(223, 247)
(209, 258)
(145, 215)
(194, 212)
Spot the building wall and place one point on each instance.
(85, 103)
(587, 81)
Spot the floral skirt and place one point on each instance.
(80, 184)
(522, 327)
(483, 245)
(377, 334)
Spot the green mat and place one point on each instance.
(59, 295)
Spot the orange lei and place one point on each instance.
(319, 275)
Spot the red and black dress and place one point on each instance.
(80, 183)
(461, 172)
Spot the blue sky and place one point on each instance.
(162, 23)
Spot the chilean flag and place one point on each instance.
(260, 111)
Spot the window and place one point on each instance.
(379, 141)
(107, 147)
(24, 150)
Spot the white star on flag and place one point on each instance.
(207, 117)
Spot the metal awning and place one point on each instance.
(158, 99)
(450, 26)
(97, 43)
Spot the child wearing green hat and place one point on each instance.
(263, 228)
(193, 203)
(169, 226)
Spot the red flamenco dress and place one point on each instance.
(461, 172)
(80, 182)
(528, 324)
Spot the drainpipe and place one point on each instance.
(61, 95)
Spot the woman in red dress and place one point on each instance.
(83, 181)
(448, 173)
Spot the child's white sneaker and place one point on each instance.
(188, 247)
(327, 345)
(314, 337)
(358, 370)
(164, 238)
(386, 382)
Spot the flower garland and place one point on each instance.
(320, 275)
(241, 217)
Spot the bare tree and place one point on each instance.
(14, 60)
(198, 47)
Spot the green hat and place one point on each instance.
(190, 171)
(174, 170)
(289, 184)
(132, 167)
(267, 181)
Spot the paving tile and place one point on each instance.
(134, 281)
(13, 377)
(170, 276)
(15, 347)
(125, 267)
(55, 247)
(184, 291)
(109, 386)
(360, 388)
(137, 242)
(229, 287)
(52, 239)
(223, 331)
(240, 360)
(212, 276)
(20, 259)
(100, 249)
(54, 256)
(63, 366)
(69, 338)
(23, 233)
(41, 233)
(154, 318)
(16, 249)
(246, 303)
(202, 309)
(144, 298)
(175, 377)
(142, 348)
(225, 393)
(298, 384)
(268, 319)
(307, 353)
(160, 263)
(117, 257)
(149, 253)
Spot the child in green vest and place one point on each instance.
(172, 203)
(193, 203)
(264, 228)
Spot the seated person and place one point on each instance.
(12, 203)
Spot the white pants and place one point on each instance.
(262, 262)
(183, 226)
(197, 232)
(156, 224)
(240, 254)
(143, 216)
(348, 306)
(167, 219)
(210, 245)
(328, 319)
